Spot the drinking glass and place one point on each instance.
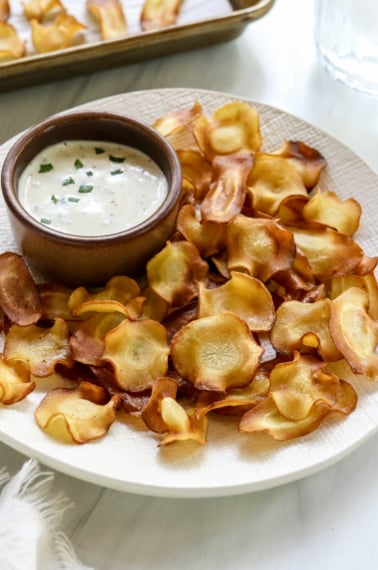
(346, 36)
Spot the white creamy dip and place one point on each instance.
(91, 188)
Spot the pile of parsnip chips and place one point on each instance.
(258, 292)
(53, 27)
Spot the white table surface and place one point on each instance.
(327, 520)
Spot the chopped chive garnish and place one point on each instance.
(116, 158)
(72, 199)
(78, 163)
(85, 189)
(118, 171)
(89, 173)
(68, 181)
(99, 150)
(54, 199)
(45, 221)
(45, 167)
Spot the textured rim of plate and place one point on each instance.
(277, 463)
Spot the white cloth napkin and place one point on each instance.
(29, 519)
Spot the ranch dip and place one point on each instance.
(90, 188)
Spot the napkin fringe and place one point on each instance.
(33, 486)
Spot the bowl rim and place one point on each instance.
(10, 192)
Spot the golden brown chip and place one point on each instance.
(227, 192)
(174, 272)
(328, 208)
(216, 352)
(243, 295)
(117, 292)
(331, 253)
(87, 340)
(307, 160)
(15, 382)
(11, 46)
(182, 425)
(79, 415)
(304, 326)
(260, 247)
(158, 14)
(366, 282)
(297, 385)
(54, 299)
(19, 297)
(197, 170)
(272, 180)
(151, 414)
(138, 352)
(177, 120)
(42, 10)
(208, 237)
(233, 127)
(40, 348)
(4, 10)
(265, 417)
(55, 35)
(110, 17)
(354, 332)
(154, 306)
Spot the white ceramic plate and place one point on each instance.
(128, 458)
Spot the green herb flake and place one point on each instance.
(54, 199)
(45, 221)
(116, 158)
(118, 171)
(99, 150)
(89, 173)
(78, 164)
(45, 167)
(68, 181)
(72, 199)
(85, 189)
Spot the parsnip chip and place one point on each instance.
(197, 170)
(182, 425)
(328, 208)
(299, 277)
(243, 295)
(297, 385)
(79, 415)
(120, 289)
(138, 352)
(110, 17)
(366, 282)
(303, 326)
(15, 382)
(271, 181)
(154, 306)
(265, 417)
(233, 127)
(54, 299)
(11, 45)
(260, 247)
(354, 332)
(330, 252)
(4, 10)
(175, 272)
(40, 348)
(158, 14)
(177, 120)
(87, 340)
(19, 297)
(227, 192)
(208, 237)
(216, 352)
(42, 10)
(151, 414)
(55, 35)
(307, 160)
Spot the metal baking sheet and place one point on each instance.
(199, 24)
